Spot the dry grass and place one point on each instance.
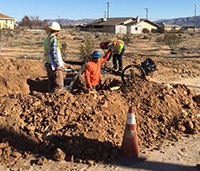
(30, 43)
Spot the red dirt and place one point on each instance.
(86, 126)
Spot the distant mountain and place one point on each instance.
(188, 21)
(67, 22)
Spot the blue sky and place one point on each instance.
(80, 9)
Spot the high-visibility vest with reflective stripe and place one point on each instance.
(118, 45)
(47, 46)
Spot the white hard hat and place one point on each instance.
(54, 26)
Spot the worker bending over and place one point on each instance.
(93, 70)
(117, 47)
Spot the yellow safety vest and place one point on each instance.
(118, 45)
(47, 46)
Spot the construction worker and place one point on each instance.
(53, 59)
(118, 47)
(93, 70)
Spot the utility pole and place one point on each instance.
(147, 10)
(108, 5)
(59, 19)
(195, 15)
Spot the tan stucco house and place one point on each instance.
(120, 25)
(137, 25)
(6, 22)
(111, 25)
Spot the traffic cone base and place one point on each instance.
(130, 161)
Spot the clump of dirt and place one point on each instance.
(59, 154)
(90, 127)
(197, 99)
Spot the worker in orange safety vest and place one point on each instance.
(93, 70)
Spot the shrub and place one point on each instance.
(145, 30)
(153, 31)
(159, 40)
(77, 38)
(86, 49)
(18, 32)
(5, 34)
(64, 49)
(146, 37)
(161, 30)
(170, 39)
(127, 38)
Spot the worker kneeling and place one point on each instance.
(93, 70)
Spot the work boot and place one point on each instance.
(120, 71)
(114, 68)
(56, 90)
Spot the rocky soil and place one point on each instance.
(86, 127)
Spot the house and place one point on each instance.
(137, 26)
(170, 27)
(120, 25)
(6, 22)
(191, 29)
(111, 25)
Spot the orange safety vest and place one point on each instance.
(93, 70)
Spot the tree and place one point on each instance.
(31, 21)
(26, 21)
(35, 21)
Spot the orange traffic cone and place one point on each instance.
(129, 152)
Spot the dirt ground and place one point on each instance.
(84, 131)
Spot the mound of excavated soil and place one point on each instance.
(86, 127)
(90, 127)
(17, 76)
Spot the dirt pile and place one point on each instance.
(90, 127)
(17, 76)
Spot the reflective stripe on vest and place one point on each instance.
(118, 45)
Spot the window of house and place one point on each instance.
(10, 21)
(136, 28)
(6, 21)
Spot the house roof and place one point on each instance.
(109, 21)
(2, 16)
(118, 21)
(134, 22)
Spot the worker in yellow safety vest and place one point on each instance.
(53, 58)
(118, 47)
